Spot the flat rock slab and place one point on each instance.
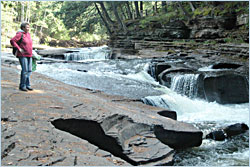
(55, 51)
(59, 124)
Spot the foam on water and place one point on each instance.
(195, 110)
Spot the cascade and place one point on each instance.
(99, 53)
(185, 84)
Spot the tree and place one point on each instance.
(184, 10)
(164, 6)
(106, 15)
(122, 25)
(141, 8)
(128, 10)
(104, 21)
(22, 12)
(137, 9)
(192, 6)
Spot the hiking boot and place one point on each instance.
(29, 88)
(23, 89)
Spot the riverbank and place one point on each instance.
(29, 138)
(31, 121)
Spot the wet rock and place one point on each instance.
(228, 132)
(168, 114)
(226, 66)
(55, 53)
(159, 67)
(226, 88)
(217, 135)
(165, 77)
(236, 129)
(134, 139)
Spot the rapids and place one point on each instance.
(92, 68)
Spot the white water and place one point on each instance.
(93, 53)
(195, 110)
(185, 84)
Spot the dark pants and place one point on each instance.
(26, 64)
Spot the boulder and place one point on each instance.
(159, 67)
(207, 33)
(139, 140)
(229, 131)
(226, 87)
(176, 29)
(165, 77)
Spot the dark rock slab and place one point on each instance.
(226, 87)
(136, 140)
(226, 66)
(168, 114)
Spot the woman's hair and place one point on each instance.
(23, 25)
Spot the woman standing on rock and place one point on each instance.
(22, 41)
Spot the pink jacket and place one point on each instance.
(26, 44)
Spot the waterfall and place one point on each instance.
(157, 101)
(93, 53)
(185, 84)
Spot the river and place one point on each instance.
(91, 68)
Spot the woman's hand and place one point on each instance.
(21, 50)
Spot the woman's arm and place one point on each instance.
(15, 39)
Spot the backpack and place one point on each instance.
(18, 42)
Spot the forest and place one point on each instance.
(93, 21)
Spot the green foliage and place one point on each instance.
(161, 18)
(222, 9)
(210, 42)
(203, 11)
(233, 40)
(64, 20)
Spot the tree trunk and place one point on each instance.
(27, 12)
(29, 15)
(106, 15)
(123, 13)
(105, 22)
(156, 8)
(164, 6)
(122, 25)
(128, 10)
(41, 30)
(137, 9)
(141, 8)
(192, 6)
(184, 11)
(36, 30)
(22, 11)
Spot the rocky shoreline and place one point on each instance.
(60, 124)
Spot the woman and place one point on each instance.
(24, 53)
